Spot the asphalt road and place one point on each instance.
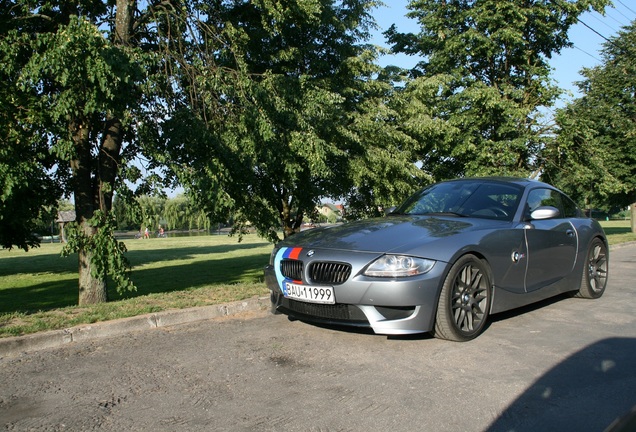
(565, 365)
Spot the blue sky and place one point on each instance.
(585, 53)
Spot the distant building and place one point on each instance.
(333, 212)
(64, 217)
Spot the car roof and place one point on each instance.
(521, 181)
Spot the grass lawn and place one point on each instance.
(618, 231)
(38, 289)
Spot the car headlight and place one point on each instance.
(395, 266)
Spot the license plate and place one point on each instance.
(309, 294)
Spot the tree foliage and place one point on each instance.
(258, 108)
(77, 86)
(295, 127)
(595, 159)
(178, 213)
(474, 104)
(27, 174)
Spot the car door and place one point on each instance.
(551, 243)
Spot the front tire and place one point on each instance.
(464, 302)
(595, 270)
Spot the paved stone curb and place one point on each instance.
(621, 245)
(14, 346)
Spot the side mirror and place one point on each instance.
(545, 212)
(389, 210)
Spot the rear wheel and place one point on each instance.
(594, 278)
(464, 302)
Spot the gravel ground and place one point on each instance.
(565, 364)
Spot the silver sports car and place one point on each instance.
(444, 260)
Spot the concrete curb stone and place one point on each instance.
(621, 245)
(14, 346)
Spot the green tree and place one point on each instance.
(476, 96)
(87, 82)
(595, 159)
(175, 212)
(251, 155)
(27, 186)
(301, 131)
(78, 86)
(152, 212)
(27, 191)
(124, 219)
(385, 172)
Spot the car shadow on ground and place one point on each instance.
(587, 391)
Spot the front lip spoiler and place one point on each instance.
(318, 320)
(381, 325)
(374, 320)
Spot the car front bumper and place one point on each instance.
(390, 307)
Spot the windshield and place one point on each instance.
(483, 199)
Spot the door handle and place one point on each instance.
(569, 233)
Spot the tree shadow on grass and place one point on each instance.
(167, 278)
(197, 274)
(141, 257)
(39, 297)
(55, 263)
(617, 230)
(42, 263)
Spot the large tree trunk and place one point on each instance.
(93, 193)
(291, 223)
(91, 289)
(109, 162)
(94, 189)
(124, 21)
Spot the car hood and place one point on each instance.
(397, 234)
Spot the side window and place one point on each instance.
(570, 210)
(544, 197)
(492, 201)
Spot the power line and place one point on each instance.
(579, 20)
(603, 22)
(616, 20)
(626, 7)
(587, 53)
(609, 41)
(623, 15)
